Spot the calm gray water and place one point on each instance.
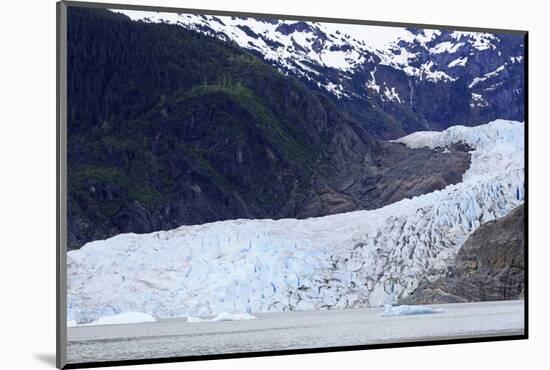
(290, 330)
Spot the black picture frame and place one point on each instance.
(61, 188)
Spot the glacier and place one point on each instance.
(357, 259)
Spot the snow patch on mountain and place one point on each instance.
(459, 62)
(477, 101)
(391, 94)
(428, 71)
(357, 259)
(487, 76)
(479, 40)
(335, 89)
(422, 37)
(371, 84)
(446, 47)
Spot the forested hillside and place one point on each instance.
(168, 127)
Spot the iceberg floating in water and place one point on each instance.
(405, 310)
(223, 316)
(123, 318)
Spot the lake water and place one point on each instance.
(290, 330)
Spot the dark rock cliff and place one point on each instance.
(490, 266)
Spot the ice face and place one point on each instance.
(355, 259)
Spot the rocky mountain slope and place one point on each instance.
(392, 80)
(490, 266)
(193, 129)
(354, 259)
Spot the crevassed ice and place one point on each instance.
(355, 259)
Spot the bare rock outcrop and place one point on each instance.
(490, 266)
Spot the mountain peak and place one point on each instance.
(394, 69)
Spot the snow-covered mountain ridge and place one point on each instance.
(356, 259)
(479, 76)
(293, 45)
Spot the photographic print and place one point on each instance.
(249, 184)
